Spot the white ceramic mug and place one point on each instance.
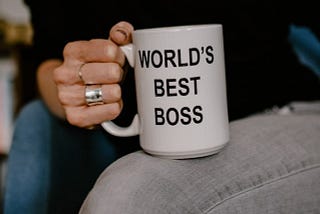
(181, 91)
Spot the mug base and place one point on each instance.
(186, 155)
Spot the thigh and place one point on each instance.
(28, 165)
(264, 152)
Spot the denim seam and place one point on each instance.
(274, 180)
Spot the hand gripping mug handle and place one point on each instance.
(134, 128)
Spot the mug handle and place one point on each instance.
(134, 128)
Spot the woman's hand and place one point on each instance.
(93, 64)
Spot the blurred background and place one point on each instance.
(15, 40)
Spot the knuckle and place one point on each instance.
(63, 75)
(110, 50)
(116, 91)
(63, 98)
(74, 118)
(75, 50)
(69, 49)
(58, 75)
(115, 73)
(115, 110)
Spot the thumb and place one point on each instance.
(121, 33)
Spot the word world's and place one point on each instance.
(173, 58)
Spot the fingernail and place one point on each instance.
(123, 33)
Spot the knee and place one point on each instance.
(31, 125)
(136, 183)
(32, 113)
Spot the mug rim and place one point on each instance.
(176, 28)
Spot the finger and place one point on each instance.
(72, 96)
(95, 50)
(93, 115)
(67, 73)
(101, 73)
(121, 33)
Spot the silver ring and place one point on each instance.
(80, 72)
(93, 96)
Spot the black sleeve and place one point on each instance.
(48, 29)
(303, 13)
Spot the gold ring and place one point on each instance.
(80, 72)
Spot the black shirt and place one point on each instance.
(261, 69)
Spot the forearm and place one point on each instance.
(47, 87)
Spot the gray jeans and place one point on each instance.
(271, 165)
